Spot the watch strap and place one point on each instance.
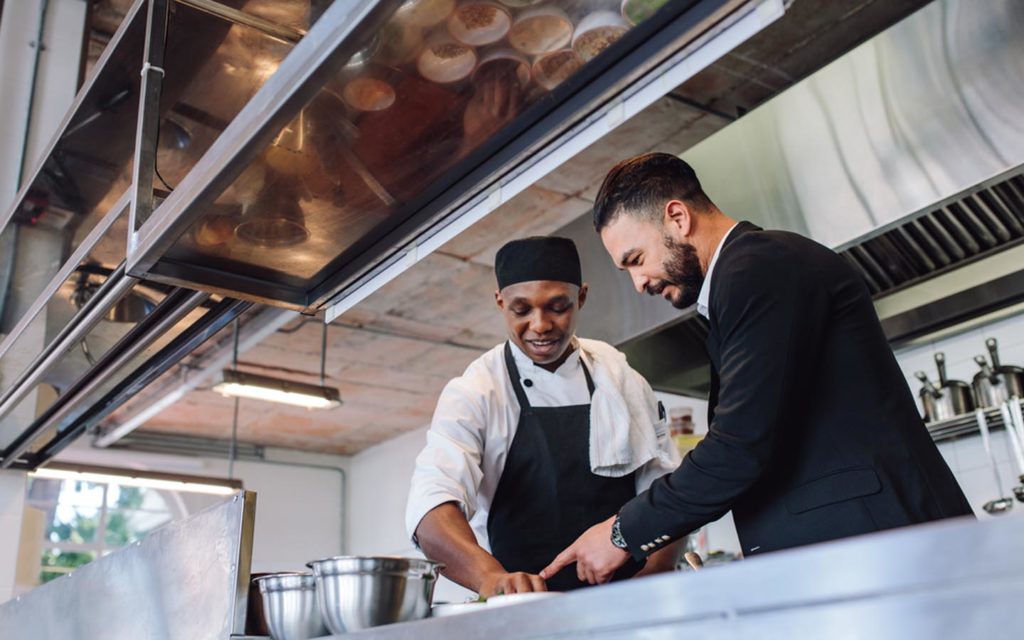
(617, 539)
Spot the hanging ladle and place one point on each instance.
(1014, 422)
(1001, 504)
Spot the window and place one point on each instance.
(84, 520)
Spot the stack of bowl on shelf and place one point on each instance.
(451, 41)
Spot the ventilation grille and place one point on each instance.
(156, 442)
(976, 224)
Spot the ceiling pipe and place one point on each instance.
(38, 44)
(11, 236)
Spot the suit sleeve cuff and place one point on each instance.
(641, 540)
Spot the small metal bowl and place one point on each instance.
(290, 606)
(361, 592)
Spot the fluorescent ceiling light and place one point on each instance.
(134, 481)
(257, 387)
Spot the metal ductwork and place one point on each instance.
(905, 155)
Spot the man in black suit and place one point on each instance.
(813, 433)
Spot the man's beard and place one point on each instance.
(683, 270)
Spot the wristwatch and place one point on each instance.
(617, 538)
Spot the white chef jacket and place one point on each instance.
(474, 425)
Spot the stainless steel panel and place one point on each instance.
(930, 107)
(956, 579)
(185, 581)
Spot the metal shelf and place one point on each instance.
(964, 424)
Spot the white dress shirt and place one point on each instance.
(476, 418)
(704, 297)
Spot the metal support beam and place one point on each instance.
(147, 129)
(106, 296)
(161, 320)
(69, 267)
(254, 331)
(212, 321)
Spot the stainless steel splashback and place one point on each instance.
(928, 108)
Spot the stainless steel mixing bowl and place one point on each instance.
(361, 592)
(290, 606)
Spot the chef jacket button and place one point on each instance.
(665, 538)
(528, 382)
(645, 547)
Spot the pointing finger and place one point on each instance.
(563, 559)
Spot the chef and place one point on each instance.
(540, 438)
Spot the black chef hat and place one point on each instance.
(538, 258)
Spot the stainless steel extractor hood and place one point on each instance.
(905, 155)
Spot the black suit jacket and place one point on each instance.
(814, 434)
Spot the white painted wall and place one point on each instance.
(12, 506)
(378, 488)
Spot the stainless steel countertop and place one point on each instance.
(955, 579)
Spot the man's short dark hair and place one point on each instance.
(642, 185)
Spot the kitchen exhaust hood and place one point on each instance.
(905, 155)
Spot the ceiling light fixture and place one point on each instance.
(257, 387)
(164, 482)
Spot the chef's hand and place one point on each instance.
(595, 556)
(495, 584)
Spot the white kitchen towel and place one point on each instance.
(622, 397)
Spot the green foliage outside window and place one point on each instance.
(87, 520)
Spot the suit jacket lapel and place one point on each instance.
(713, 342)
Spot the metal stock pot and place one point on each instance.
(951, 398)
(996, 384)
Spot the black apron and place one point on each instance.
(548, 496)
